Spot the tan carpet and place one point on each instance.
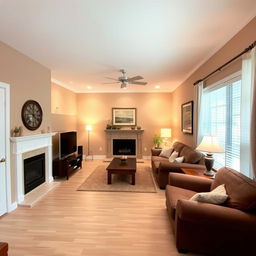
(97, 181)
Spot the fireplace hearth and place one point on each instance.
(34, 172)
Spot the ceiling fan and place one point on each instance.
(124, 80)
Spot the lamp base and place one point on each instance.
(209, 173)
(209, 164)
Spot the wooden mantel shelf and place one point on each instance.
(123, 130)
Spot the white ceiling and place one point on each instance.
(84, 41)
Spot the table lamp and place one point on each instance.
(210, 145)
(166, 133)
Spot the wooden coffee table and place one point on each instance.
(196, 172)
(118, 167)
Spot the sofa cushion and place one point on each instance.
(179, 159)
(166, 152)
(173, 156)
(191, 156)
(156, 161)
(240, 189)
(216, 196)
(173, 194)
(158, 158)
(177, 146)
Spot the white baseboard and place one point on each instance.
(94, 157)
(12, 207)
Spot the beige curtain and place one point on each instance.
(198, 113)
(253, 113)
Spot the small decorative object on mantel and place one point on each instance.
(157, 141)
(32, 115)
(187, 117)
(138, 127)
(108, 127)
(16, 132)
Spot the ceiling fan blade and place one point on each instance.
(112, 78)
(135, 78)
(111, 83)
(140, 83)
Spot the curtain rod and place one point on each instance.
(224, 65)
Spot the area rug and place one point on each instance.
(97, 181)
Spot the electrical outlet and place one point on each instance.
(100, 148)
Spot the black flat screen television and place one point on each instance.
(68, 144)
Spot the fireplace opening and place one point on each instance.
(34, 172)
(124, 147)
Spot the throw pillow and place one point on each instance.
(166, 152)
(173, 156)
(216, 196)
(179, 159)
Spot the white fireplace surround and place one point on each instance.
(21, 146)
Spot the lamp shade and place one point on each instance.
(210, 144)
(88, 127)
(166, 132)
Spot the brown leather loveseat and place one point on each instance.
(161, 165)
(227, 229)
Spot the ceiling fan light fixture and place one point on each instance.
(124, 80)
(157, 86)
(123, 85)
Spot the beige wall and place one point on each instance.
(153, 112)
(63, 109)
(28, 80)
(185, 92)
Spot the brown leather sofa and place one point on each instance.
(3, 249)
(227, 229)
(161, 165)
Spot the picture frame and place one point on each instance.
(124, 116)
(187, 117)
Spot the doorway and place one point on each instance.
(5, 190)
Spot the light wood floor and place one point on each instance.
(70, 222)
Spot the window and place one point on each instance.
(221, 117)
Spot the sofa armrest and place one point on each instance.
(210, 215)
(176, 167)
(198, 184)
(156, 151)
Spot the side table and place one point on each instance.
(196, 172)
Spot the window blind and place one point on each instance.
(221, 117)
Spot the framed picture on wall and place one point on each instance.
(124, 116)
(187, 117)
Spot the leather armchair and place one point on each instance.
(212, 229)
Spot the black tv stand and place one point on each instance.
(64, 167)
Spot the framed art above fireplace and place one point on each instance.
(124, 116)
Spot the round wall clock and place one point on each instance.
(32, 115)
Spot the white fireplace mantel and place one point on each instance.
(24, 144)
